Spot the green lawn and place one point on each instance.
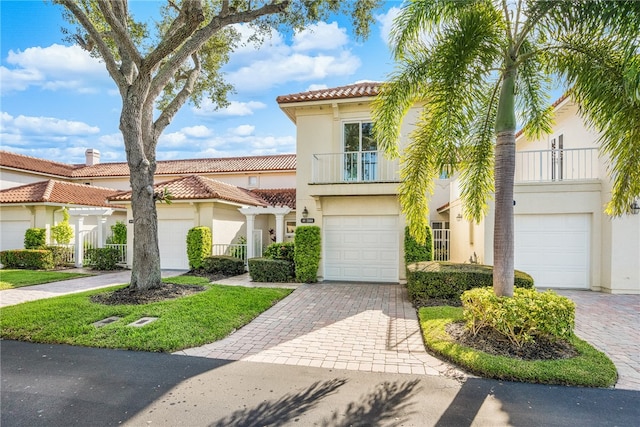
(591, 368)
(184, 322)
(10, 279)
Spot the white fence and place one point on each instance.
(441, 244)
(235, 250)
(557, 165)
(353, 167)
(90, 241)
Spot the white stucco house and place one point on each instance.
(349, 189)
(249, 197)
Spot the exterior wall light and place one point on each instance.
(635, 207)
(459, 217)
(305, 212)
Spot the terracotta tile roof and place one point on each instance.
(357, 90)
(196, 187)
(280, 162)
(52, 191)
(34, 164)
(277, 197)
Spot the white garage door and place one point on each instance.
(554, 249)
(172, 238)
(361, 248)
(12, 234)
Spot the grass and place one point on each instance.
(183, 322)
(11, 279)
(591, 368)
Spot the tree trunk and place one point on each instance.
(145, 273)
(505, 163)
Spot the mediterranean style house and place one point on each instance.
(348, 187)
(339, 181)
(249, 197)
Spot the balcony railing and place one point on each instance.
(353, 167)
(567, 164)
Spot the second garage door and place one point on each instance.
(361, 248)
(554, 249)
(172, 239)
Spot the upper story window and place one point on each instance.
(253, 181)
(360, 152)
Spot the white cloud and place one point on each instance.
(198, 131)
(386, 22)
(173, 139)
(113, 140)
(321, 36)
(243, 130)
(49, 126)
(56, 67)
(297, 67)
(235, 108)
(317, 87)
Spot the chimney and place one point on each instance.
(92, 157)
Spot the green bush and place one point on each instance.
(118, 234)
(416, 252)
(35, 238)
(307, 253)
(31, 259)
(62, 233)
(198, 245)
(447, 280)
(281, 250)
(60, 255)
(270, 270)
(222, 264)
(103, 258)
(522, 318)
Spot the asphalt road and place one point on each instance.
(56, 385)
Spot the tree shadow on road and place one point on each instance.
(283, 409)
(387, 403)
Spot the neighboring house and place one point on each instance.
(349, 189)
(249, 197)
(40, 205)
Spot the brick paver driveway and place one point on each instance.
(365, 327)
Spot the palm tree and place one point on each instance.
(478, 67)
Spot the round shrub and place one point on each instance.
(198, 245)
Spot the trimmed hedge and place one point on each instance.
(307, 253)
(103, 258)
(416, 252)
(199, 242)
(281, 250)
(447, 280)
(270, 270)
(223, 264)
(30, 259)
(524, 318)
(35, 238)
(60, 254)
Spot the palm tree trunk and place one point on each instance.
(505, 161)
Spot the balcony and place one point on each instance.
(354, 167)
(569, 164)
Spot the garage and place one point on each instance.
(554, 249)
(12, 234)
(172, 238)
(361, 248)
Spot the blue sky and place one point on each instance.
(57, 101)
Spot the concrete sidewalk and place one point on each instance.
(71, 286)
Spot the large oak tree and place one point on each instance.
(160, 69)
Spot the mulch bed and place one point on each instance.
(492, 342)
(164, 292)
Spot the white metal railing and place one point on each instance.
(440, 244)
(122, 251)
(236, 250)
(557, 165)
(353, 167)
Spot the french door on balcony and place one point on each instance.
(360, 161)
(557, 158)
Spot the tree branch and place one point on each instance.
(119, 30)
(168, 69)
(174, 106)
(100, 45)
